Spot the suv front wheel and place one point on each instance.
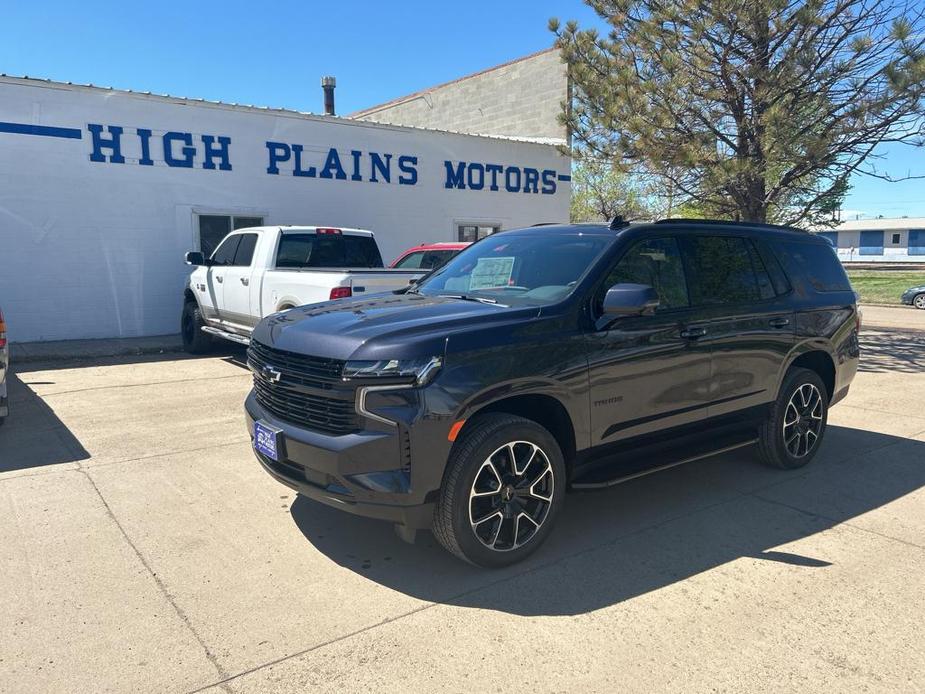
(502, 491)
(791, 434)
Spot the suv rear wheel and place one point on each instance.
(792, 433)
(502, 491)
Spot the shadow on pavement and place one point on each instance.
(617, 544)
(32, 435)
(892, 351)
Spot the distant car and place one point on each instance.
(914, 296)
(428, 256)
(4, 367)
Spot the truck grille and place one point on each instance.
(308, 392)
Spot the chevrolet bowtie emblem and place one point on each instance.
(271, 374)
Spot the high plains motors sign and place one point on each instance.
(185, 150)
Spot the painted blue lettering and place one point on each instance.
(409, 171)
(278, 152)
(211, 152)
(455, 177)
(382, 165)
(531, 178)
(145, 136)
(356, 176)
(330, 164)
(187, 151)
(494, 170)
(509, 186)
(476, 182)
(112, 143)
(549, 182)
(297, 169)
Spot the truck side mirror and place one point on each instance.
(195, 258)
(629, 300)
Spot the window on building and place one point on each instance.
(895, 239)
(917, 242)
(871, 243)
(474, 232)
(214, 227)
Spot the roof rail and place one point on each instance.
(725, 222)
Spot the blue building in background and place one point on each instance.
(896, 240)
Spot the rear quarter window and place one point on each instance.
(815, 262)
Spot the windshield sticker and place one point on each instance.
(492, 272)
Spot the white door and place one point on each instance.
(211, 294)
(236, 308)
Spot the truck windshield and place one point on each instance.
(307, 250)
(517, 269)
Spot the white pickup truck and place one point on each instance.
(261, 270)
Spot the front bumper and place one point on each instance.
(907, 297)
(364, 473)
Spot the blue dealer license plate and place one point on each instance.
(266, 440)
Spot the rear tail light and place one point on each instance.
(341, 292)
(2, 331)
(327, 230)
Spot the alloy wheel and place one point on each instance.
(803, 420)
(919, 301)
(511, 496)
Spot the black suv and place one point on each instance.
(552, 358)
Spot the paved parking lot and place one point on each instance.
(142, 549)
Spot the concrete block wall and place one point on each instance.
(522, 98)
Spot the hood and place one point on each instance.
(387, 326)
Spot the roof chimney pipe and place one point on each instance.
(328, 84)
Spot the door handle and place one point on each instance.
(218, 278)
(779, 322)
(245, 281)
(693, 333)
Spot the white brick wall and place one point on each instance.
(520, 99)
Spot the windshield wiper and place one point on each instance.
(480, 299)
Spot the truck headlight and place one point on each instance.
(421, 370)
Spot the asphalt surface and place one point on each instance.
(142, 549)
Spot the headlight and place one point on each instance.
(421, 370)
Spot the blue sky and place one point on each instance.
(274, 54)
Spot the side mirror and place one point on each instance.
(195, 258)
(629, 300)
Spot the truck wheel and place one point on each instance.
(792, 433)
(194, 340)
(502, 491)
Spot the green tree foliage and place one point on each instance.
(600, 193)
(759, 110)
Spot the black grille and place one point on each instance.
(309, 392)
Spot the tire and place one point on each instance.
(803, 401)
(514, 506)
(919, 301)
(194, 340)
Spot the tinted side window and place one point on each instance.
(765, 287)
(294, 250)
(722, 270)
(361, 251)
(224, 254)
(245, 252)
(817, 263)
(772, 265)
(412, 260)
(657, 263)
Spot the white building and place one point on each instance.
(102, 192)
(900, 240)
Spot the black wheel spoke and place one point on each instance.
(803, 419)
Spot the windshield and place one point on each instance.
(517, 269)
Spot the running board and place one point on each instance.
(225, 335)
(594, 483)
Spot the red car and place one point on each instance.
(428, 256)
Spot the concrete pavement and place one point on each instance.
(142, 549)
